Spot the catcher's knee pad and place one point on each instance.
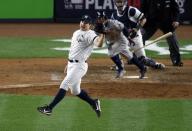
(147, 61)
(142, 59)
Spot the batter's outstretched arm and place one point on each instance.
(99, 40)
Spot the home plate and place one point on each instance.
(134, 77)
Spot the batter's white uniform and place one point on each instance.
(115, 39)
(81, 47)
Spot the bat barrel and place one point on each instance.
(154, 41)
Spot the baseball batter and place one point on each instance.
(82, 44)
(133, 19)
(118, 44)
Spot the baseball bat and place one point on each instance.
(154, 41)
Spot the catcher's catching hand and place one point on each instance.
(99, 22)
(99, 27)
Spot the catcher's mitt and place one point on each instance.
(99, 28)
(99, 22)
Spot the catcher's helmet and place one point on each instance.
(101, 14)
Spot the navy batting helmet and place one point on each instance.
(86, 19)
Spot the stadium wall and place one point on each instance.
(26, 10)
(68, 10)
(72, 10)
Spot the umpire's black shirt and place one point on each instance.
(160, 11)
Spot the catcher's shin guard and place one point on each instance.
(136, 62)
(140, 65)
(151, 63)
(147, 61)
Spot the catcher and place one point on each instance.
(133, 19)
(117, 43)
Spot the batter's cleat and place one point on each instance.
(120, 73)
(142, 73)
(97, 108)
(45, 110)
(159, 66)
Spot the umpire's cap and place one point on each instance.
(87, 19)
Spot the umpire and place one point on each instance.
(163, 15)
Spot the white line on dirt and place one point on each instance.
(30, 85)
(55, 77)
(57, 84)
(133, 77)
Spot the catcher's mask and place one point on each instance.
(120, 4)
(86, 19)
(101, 15)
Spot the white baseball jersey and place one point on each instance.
(81, 47)
(115, 39)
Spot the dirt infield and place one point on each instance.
(43, 76)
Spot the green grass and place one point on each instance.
(29, 47)
(18, 113)
(182, 43)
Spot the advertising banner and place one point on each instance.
(185, 11)
(72, 10)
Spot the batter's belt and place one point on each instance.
(74, 61)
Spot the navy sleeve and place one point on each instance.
(175, 10)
